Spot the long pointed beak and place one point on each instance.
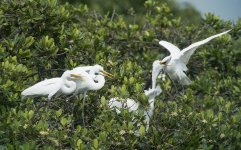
(107, 74)
(76, 76)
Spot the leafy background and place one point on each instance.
(42, 38)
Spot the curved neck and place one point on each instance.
(154, 77)
(149, 112)
(151, 105)
(100, 83)
(68, 86)
(155, 72)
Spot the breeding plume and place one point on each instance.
(175, 63)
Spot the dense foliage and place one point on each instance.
(42, 38)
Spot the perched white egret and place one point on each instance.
(132, 106)
(49, 87)
(90, 74)
(175, 64)
(93, 69)
(92, 78)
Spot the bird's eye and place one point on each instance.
(96, 73)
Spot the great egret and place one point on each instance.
(49, 87)
(90, 74)
(156, 69)
(93, 69)
(175, 64)
(92, 78)
(132, 106)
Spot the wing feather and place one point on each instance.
(43, 88)
(174, 50)
(187, 52)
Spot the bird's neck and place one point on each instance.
(68, 86)
(100, 83)
(149, 112)
(151, 105)
(155, 72)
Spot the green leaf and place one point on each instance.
(103, 100)
(96, 143)
(30, 114)
(102, 136)
(123, 91)
(79, 144)
(131, 80)
(28, 42)
(59, 112)
(130, 126)
(63, 121)
(142, 130)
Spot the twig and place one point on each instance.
(113, 15)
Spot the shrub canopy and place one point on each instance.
(43, 38)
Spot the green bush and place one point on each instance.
(42, 38)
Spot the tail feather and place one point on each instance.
(184, 80)
(30, 91)
(25, 92)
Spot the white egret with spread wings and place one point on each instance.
(175, 63)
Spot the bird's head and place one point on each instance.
(71, 76)
(99, 70)
(157, 66)
(98, 67)
(165, 60)
(75, 77)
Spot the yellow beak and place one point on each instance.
(76, 76)
(107, 74)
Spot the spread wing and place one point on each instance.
(174, 51)
(187, 52)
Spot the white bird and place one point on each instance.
(156, 69)
(92, 78)
(120, 103)
(132, 106)
(175, 64)
(90, 74)
(49, 87)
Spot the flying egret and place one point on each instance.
(49, 87)
(175, 64)
(132, 106)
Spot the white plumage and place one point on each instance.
(131, 105)
(175, 64)
(92, 78)
(49, 87)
